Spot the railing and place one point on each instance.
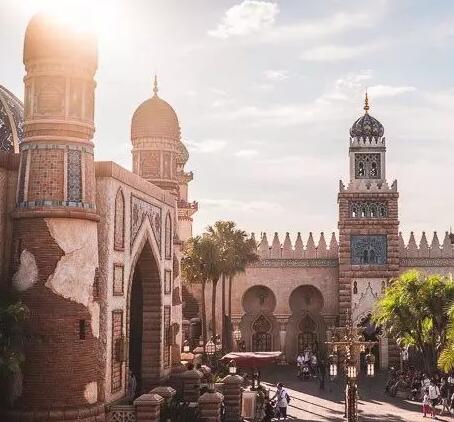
(121, 413)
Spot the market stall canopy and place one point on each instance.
(251, 359)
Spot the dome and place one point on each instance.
(367, 126)
(155, 118)
(11, 121)
(48, 37)
(183, 154)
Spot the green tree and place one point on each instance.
(414, 310)
(446, 359)
(200, 266)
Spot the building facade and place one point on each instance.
(297, 292)
(92, 249)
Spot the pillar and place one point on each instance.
(210, 407)
(191, 385)
(148, 407)
(232, 397)
(283, 334)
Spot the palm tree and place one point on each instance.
(199, 265)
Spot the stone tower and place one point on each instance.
(159, 155)
(55, 250)
(368, 221)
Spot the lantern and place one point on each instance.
(237, 335)
(232, 367)
(186, 347)
(370, 361)
(351, 370)
(255, 379)
(362, 348)
(210, 348)
(200, 342)
(332, 365)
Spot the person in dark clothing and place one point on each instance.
(322, 373)
(269, 411)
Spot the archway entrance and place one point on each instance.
(145, 321)
(261, 339)
(307, 338)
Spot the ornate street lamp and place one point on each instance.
(232, 367)
(332, 365)
(210, 348)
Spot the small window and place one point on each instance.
(361, 169)
(355, 288)
(373, 170)
(82, 329)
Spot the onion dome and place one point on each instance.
(367, 126)
(155, 118)
(48, 37)
(11, 121)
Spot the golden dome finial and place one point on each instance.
(155, 87)
(366, 103)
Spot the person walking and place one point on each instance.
(283, 400)
(299, 363)
(425, 403)
(322, 373)
(434, 395)
(444, 395)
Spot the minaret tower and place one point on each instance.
(159, 155)
(55, 256)
(368, 221)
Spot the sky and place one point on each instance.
(266, 92)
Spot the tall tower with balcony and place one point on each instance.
(159, 155)
(368, 221)
(55, 244)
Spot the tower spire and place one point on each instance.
(155, 85)
(366, 103)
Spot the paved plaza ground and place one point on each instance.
(308, 403)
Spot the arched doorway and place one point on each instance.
(307, 337)
(305, 328)
(145, 317)
(261, 337)
(259, 327)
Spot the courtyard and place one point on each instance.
(310, 404)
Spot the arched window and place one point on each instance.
(373, 169)
(119, 225)
(307, 338)
(383, 211)
(364, 211)
(373, 211)
(355, 288)
(168, 237)
(354, 212)
(361, 169)
(365, 256)
(261, 338)
(372, 257)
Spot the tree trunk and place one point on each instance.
(223, 312)
(204, 313)
(230, 297)
(213, 306)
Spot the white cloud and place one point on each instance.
(276, 75)
(331, 53)
(389, 91)
(245, 18)
(246, 153)
(207, 146)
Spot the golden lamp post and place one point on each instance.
(346, 345)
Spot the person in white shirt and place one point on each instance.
(282, 401)
(434, 394)
(299, 363)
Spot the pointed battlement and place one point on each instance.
(422, 249)
(309, 250)
(367, 141)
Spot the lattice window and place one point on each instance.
(368, 209)
(307, 324)
(23, 168)
(167, 336)
(368, 249)
(117, 337)
(74, 175)
(307, 340)
(119, 225)
(261, 339)
(167, 281)
(118, 279)
(168, 237)
(367, 166)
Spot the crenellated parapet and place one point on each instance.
(367, 185)
(299, 249)
(424, 249)
(367, 141)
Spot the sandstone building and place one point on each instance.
(297, 292)
(93, 249)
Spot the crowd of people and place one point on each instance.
(432, 391)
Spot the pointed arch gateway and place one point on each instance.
(145, 319)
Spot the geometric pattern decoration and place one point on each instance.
(368, 249)
(367, 127)
(119, 224)
(141, 210)
(167, 281)
(117, 364)
(74, 175)
(261, 324)
(118, 280)
(168, 237)
(368, 209)
(11, 121)
(367, 166)
(167, 334)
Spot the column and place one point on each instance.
(191, 385)
(148, 407)
(210, 407)
(232, 397)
